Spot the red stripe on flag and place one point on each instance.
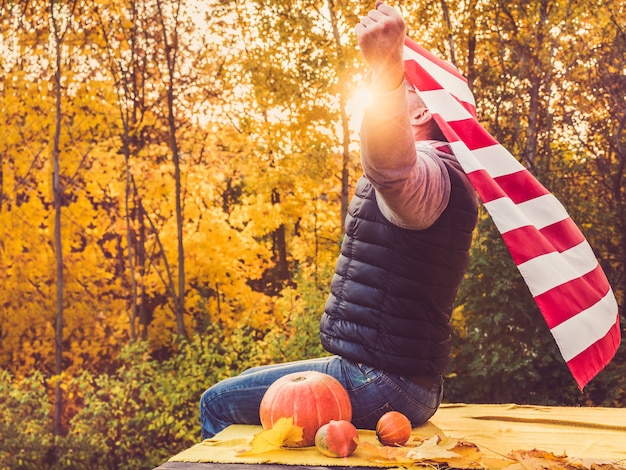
(419, 77)
(448, 67)
(596, 357)
(521, 186)
(472, 133)
(526, 243)
(485, 186)
(469, 107)
(563, 235)
(448, 132)
(569, 299)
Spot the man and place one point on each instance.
(408, 233)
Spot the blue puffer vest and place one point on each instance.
(393, 290)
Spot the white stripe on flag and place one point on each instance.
(492, 159)
(497, 161)
(548, 271)
(445, 104)
(575, 335)
(506, 215)
(544, 210)
(540, 212)
(465, 157)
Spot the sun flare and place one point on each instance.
(360, 100)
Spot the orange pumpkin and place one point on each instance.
(393, 429)
(311, 398)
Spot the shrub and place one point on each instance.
(25, 423)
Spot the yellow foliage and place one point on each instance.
(258, 134)
(283, 433)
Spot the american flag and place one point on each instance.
(552, 255)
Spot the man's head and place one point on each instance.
(422, 122)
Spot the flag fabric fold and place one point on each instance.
(551, 253)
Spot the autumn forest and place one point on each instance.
(173, 179)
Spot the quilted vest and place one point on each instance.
(393, 290)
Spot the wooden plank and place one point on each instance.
(238, 466)
(588, 434)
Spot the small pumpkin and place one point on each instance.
(311, 398)
(337, 439)
(393, 429)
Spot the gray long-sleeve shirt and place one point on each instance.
(412, 184)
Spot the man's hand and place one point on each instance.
(381, 39)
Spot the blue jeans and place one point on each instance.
(372, 392)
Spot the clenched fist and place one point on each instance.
(381, 38)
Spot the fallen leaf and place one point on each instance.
(384, 454)
(283, 432)
(466, 449)
(540, 454)
(432, 451)
(539, 459)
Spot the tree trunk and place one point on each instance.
(58, 247)
(446, 19)
(345, 125)
(279, 241)
(129, 233)
(170, 57)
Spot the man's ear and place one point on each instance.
(422, 116)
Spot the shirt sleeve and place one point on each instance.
(412, 186)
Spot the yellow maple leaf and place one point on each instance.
(282, 433)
